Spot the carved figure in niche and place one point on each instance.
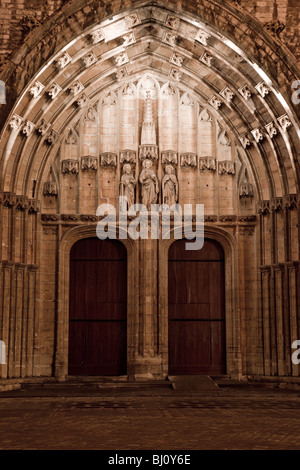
(149, 182)
(169, 187)
(127, 187)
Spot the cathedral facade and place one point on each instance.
(112, 107)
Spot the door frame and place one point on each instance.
(62, 313)
(232, 319)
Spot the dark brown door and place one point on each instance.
(98, 308)
(196, 310)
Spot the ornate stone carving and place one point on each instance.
(275, 27)
(246, 189)
(50, 188)
(133, 20)
(82, 101)
(227, 94)
(172, 22)
(290, 201)
(206, 58)
(122, 73)
(54, 90)
(52, 137)
(50, 218)
(149, 183)
(89, 163)
(245, 92)
(16, 122)
(207, 164)
(245, 141)
(202, 37)
(247, 231)
(28, 128)
(263, 207)
(43, 127)
(148, 152)
(223, 138)
(97, 36)
(127, 187)
(188, 160)
(176, 59)
(215, 102)
(276, 204)
(262, 89)
(29, 23)
(121, 59)
(50, 230)
(169, 157)
(247, 218)
(284, 122)
(21, 203)
(128, 156)
(36, 89)
(8, 199)
(227, 218)
(76, 88)
(88, 218)
(257, 134)
(170, 39)
(205, 116)
(70, 167)
(108, 159)
(226, 167)
(89, 59)
(271, 129)
(34, 206)
(69, 217)
(210, 218)
(63, 60)
(129, 39)
(175, 75)
(169, 187)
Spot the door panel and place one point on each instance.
(98, 308)
(196, 310)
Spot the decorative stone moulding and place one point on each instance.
(188, 160)
(245, 92)
(44, 127)
(170, 39)
(263, 207)
(97, 36)
(89, 163)
(121, 59)
(52, 137)
(121, 73)
(227, 218)
(88, 218)
(227, 94)
(34, 206)
(276, 204)
(245, 141)
(206, 58)
(284, 122)
(210, 218)
(271, 129)
(89, 59)
(246, 190)
(169, 157)
(8, 199)
(148, 151)
(50, 217)
(70, 167)
(275, 27)
(202, 37)
(215, 102)
(226, 167)
(22, 203)
(262, 89)
(175, 75)
(291, 201)
(16, 122)
(207, 164)
(108, 159)
(172, 22)
(69, 217)
(248, 231)
(50, 188)
(176, 59)
(82, 101)
(36, 89)
(247, 218)
(54, 90)
(127, 156)
(28, 128)
(132, 20)
(63, 61)
(257, 134)
(129, 39)
(76, 88)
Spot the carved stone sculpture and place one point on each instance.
(169, 187)
(127, 186)
(149, 182)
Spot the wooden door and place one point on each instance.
(196, 310)
(98, 308)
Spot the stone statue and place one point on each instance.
(127, 186)
(149, 182)
(169, 187)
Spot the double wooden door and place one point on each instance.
(196, 330)
(98, 308)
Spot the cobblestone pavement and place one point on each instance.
(149, 418)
